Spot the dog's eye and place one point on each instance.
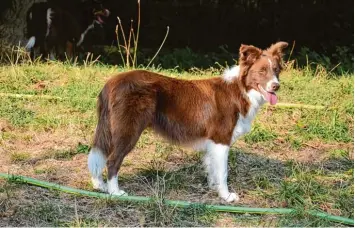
(262, 70)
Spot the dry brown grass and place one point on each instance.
(48, 139)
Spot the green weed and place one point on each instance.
(19, 157)
(69, 153)
(259, 134)
(324, 125)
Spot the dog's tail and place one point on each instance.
(31, 43)
(102, 139)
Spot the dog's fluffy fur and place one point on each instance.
(210, 113)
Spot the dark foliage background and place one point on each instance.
(325, 27)
(207, 24)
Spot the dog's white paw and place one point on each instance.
(230, 197)
(119, 193)
(99, 185)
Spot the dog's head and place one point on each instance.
(260, 69)
(97, 11)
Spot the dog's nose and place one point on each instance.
(275, 86)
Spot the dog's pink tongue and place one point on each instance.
(100, 19)
(272, 98)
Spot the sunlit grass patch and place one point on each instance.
(19, 157)
(326, 125)
(260, 166)
(259, 134)
(67, 154)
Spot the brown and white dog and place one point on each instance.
(62, 26)
(210, 114)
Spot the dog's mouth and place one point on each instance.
(101, 14)
(271, 97)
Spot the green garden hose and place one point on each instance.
(175, 203)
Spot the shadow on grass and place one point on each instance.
(326, 185)
(261, 182)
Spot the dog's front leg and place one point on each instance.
(216, 162)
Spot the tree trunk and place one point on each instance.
(13, 21)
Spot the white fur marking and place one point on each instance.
(99, 184)
(232, 73)
(243, 125)
(274, 79)
(270, 63)
(113, 188)
(216, 162)
(96, 164)
(199, 145)
(269, 83)
(31, 43)
(51, 55)
(82, 37)
(49, 20)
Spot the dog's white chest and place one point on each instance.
(242, 127)
(244, 123)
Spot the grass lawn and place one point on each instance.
(294, 157)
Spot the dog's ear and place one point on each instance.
(248, 54)
(276, 50)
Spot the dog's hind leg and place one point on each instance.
(122, 144)
(126, 127)
(121, 122)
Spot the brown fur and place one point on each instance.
(183, 111)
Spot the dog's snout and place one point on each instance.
(107, 12)
(275, 86)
